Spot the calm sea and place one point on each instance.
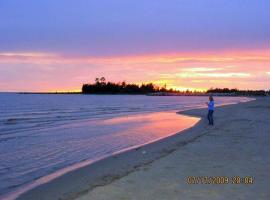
(42, 134)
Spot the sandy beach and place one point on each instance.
(237, 146)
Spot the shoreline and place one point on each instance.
(100, 173)
(50, 178)
(172, 128)
(236, 148)
(143, 94)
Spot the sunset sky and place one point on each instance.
(56, 45)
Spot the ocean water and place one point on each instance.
(41, 135)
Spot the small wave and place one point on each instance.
(17, 120)
(11, 121)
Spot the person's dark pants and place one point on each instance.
(210, 117)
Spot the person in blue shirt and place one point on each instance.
(211, 107)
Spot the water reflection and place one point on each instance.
(152, 126)
(57, 150)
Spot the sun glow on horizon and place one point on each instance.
(183, 71)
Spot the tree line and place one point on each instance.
(102, 87)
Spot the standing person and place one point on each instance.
(211, 107)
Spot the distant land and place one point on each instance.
(101, 86)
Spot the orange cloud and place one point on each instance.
(217, 75)
(201, 69)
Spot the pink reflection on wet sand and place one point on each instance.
(151, 126)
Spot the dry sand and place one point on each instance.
(238, 145)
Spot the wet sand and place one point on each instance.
(238, 145)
